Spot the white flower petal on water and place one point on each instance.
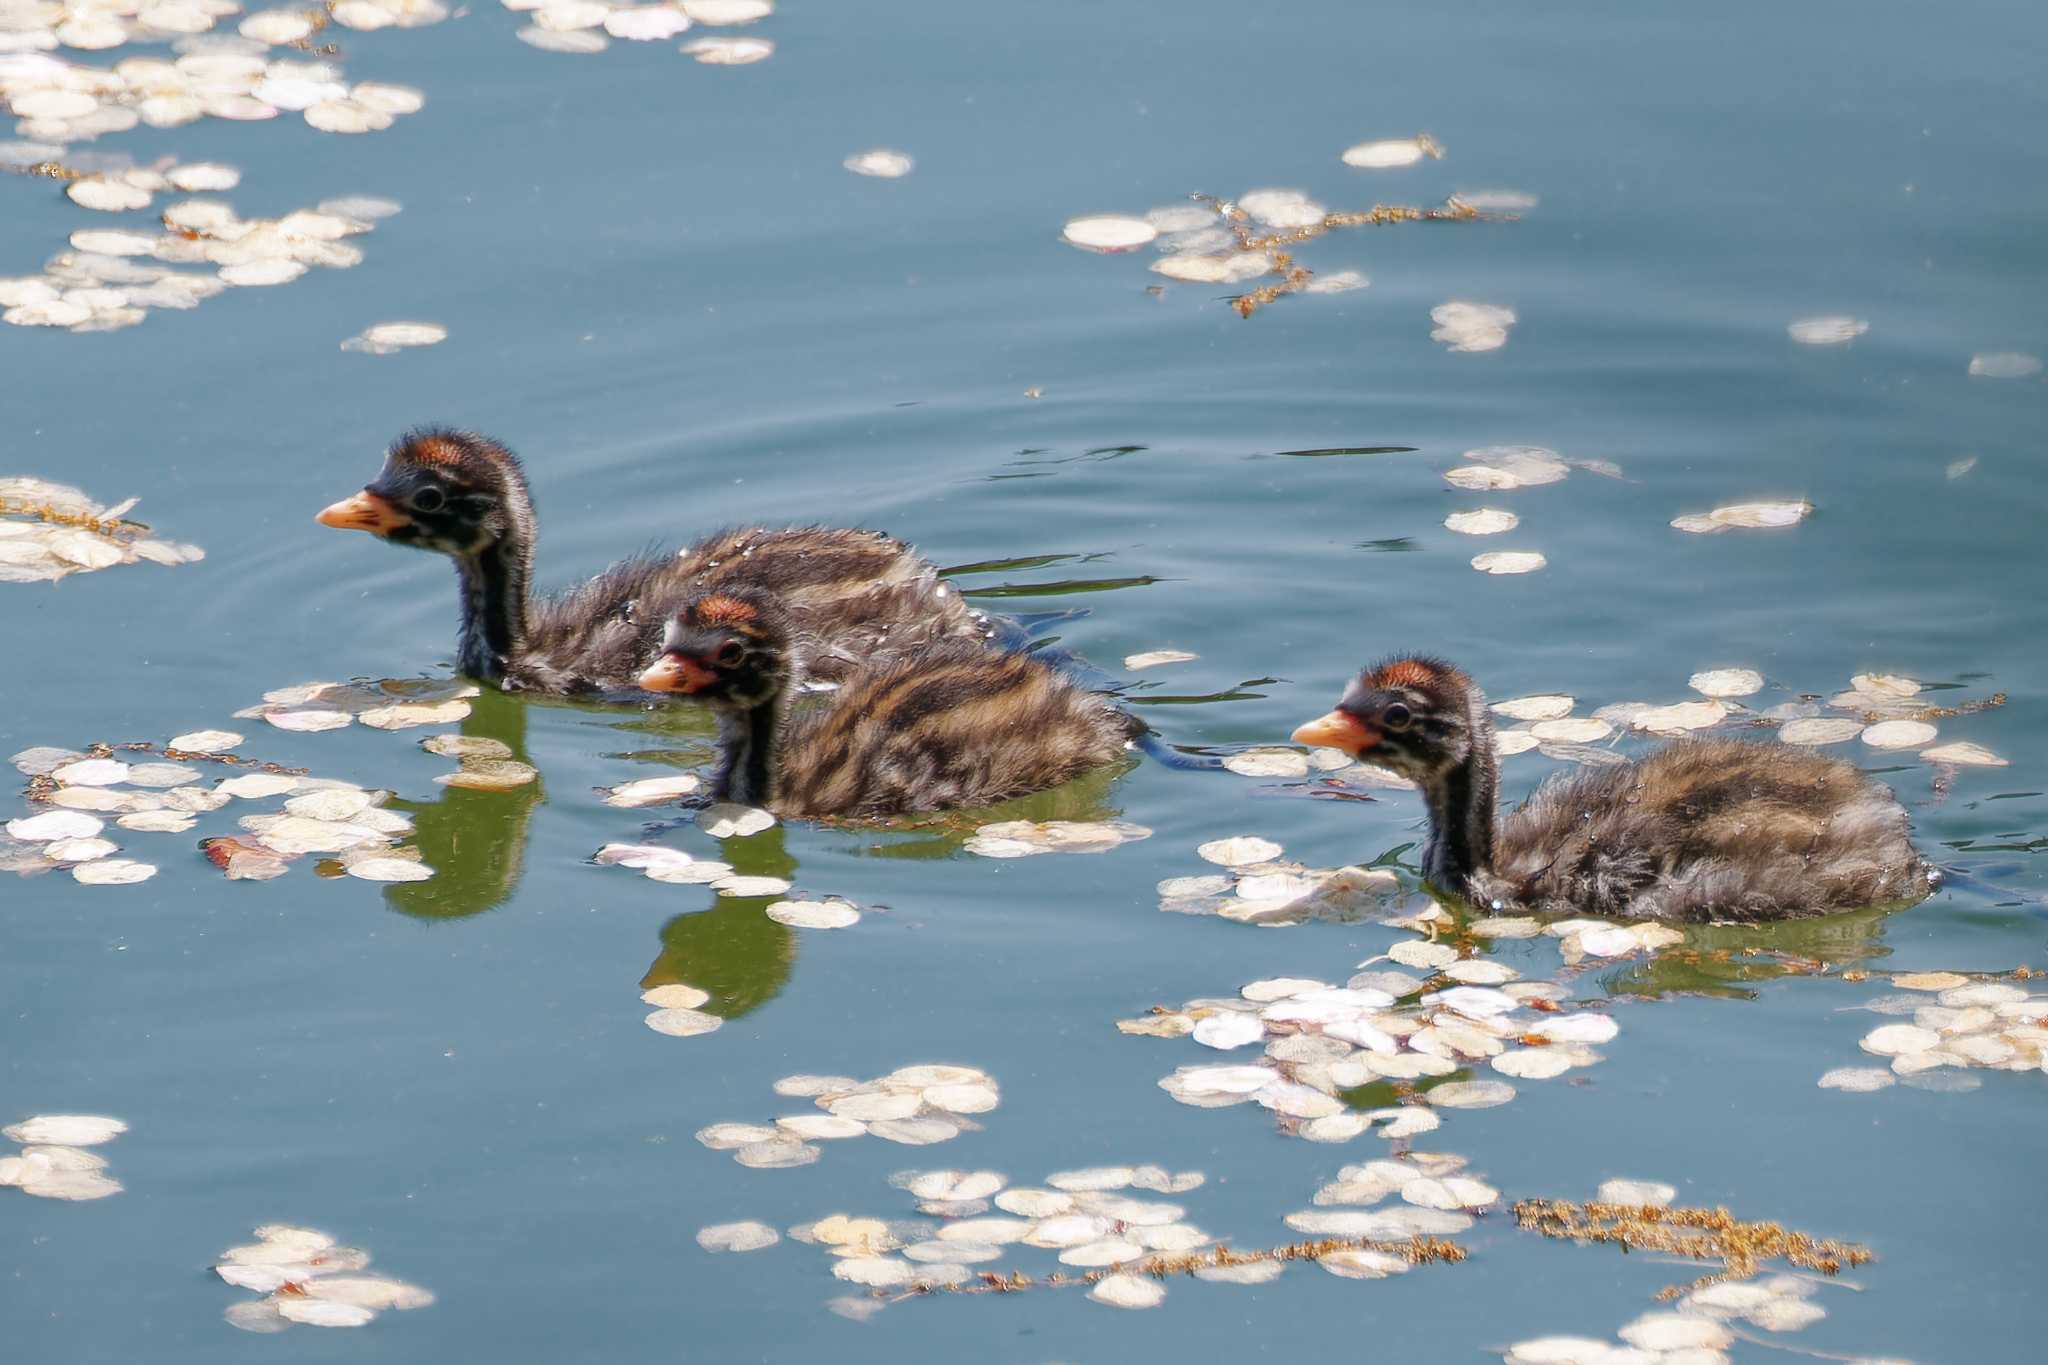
(729, 51)
(55, 825)
(645, 23)
(1108, 1251)
(1391, 152)
(914, 1132)
(406, 715)
(1532, 1063)
(1675, 1332)
(1268, 763)
(972, 1097)
(1583, 1027)
(108, 196)
(92, 772)
(683, 1023)
(1486, 521)
(322, 1313)
(1336, 282)
(112, 872)
(745, 1236)
(1827, 331)
(1363, 1264)
(1899, 734)
(1973, 755)
(256, 1315)
(1750, 515)
(1241, 1272)
(1727, 682)
(1039, 1204)
(881, 163)
(1282, 208)
(375, 1292)
(1509, 562)
(730, 820)
(1681, 717)
(1815, 730)
(1451, 1192)
(78, 850)
(1128, 1291)
(1991, 365)
(1232, 267)
(814, 914)
(1226, 1031)
(1108, 232)
(1899, 1040)
(1471, 1094)
(65, 1130)
(651, 791)
(581, 42)
(1561, 1351)
(1549, 706)
(776, 1155)
(1468, 327)
(1157, 658)
(276, 27)
(309, 719)
(1650, 1193)
(1423, 954)
(1241, 851)
(389, 870)
(749, 886)
(1859, 1079)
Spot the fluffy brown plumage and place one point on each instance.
(951, 726)
(1701, 830)
(859, 595)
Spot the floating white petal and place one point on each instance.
(1128, 1291)
(1109, 232)
(882, 163)
(814, 914)
(1509, 562)
(1391, 152)
(112, 872)
(1813, 730)
(1899, 734)
(1993, 365)
(1827, 331)
(1486, 521)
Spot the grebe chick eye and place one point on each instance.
(729, 654)
(1396, 716)
(428, 499)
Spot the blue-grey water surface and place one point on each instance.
(664, 291)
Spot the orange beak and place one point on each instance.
(674, 673)
(1338, 730)
(366, 511)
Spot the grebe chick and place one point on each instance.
(950, 726)
(1701, 830)
(860, 593)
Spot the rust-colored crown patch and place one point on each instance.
(432, 450)
(1407, 673)
(721, 610)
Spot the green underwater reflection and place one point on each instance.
(475, 840)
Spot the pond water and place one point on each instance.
(661, 286)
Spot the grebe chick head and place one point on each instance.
(1420, 717)
(729, 647)
(454, 492)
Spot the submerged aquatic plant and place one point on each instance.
(1742, 1247)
